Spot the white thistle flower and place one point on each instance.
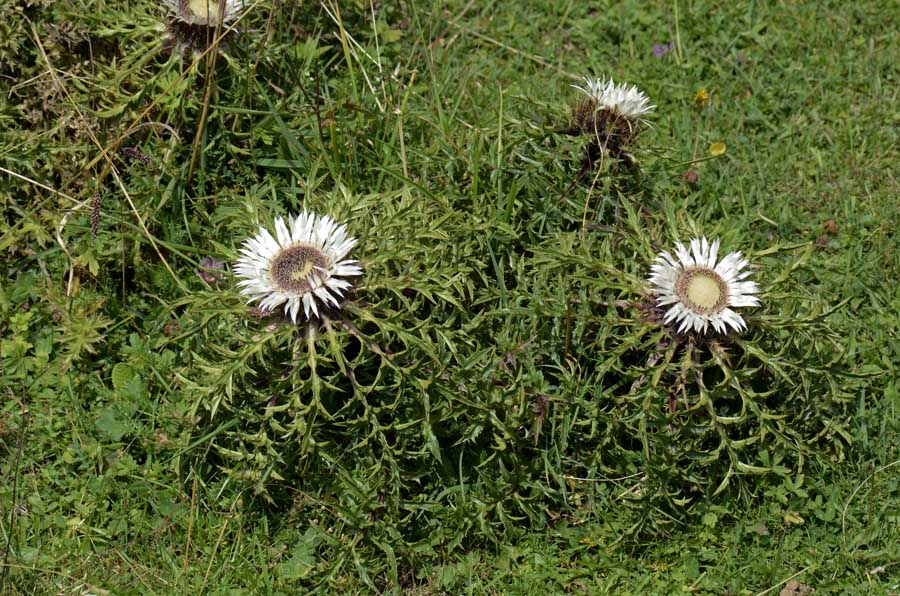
(204, 13)
(623, 100)
(300, 265)
(700, 292)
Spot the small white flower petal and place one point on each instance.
(338, 285)
(294, 308)
(324, 295)
(713, 254)
(281, 232)
(684, 256)
(309, 305)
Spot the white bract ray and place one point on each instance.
(623, 100)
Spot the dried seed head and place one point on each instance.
(95, 215)
(135, 154)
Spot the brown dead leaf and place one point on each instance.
(795, 588)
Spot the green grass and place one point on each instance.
(133, 458)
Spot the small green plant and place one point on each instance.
(685, 416)
(427, 387)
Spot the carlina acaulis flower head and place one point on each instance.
(613, 114)
(192, 23)
(302, 265)
(205, 13)
(697, 291)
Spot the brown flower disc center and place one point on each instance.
(293, 268)
(702, 290)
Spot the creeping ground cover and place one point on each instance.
(451, 297)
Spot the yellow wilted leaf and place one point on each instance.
(717, 148)
(792, 518)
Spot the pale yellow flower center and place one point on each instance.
(702, 290)
(302, 271)
(204, 9)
